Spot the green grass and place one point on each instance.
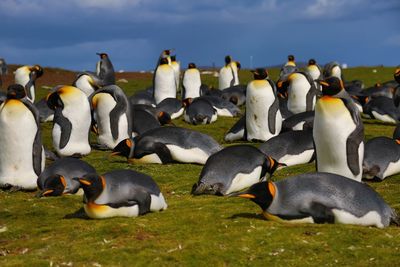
(193, 231)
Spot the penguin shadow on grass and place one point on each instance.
(79, 214)
(247, 215)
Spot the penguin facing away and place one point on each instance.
(263, 117)
(113, 115)
(191, 82)
(321, 198)
(72, 121)
(167, 145)
(105, 70)
(381, 158)
(22, 156)
(226, 171)
(120, 193)
(228, 74)
(199, 111)
(164, 82)
(87, 82)
(57, 179)
(338, 132)
(27, 76)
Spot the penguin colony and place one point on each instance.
(306, 115)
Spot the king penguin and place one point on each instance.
(321, 198)
(22, 156)
(291, 61)
(191, 82)
(226, 171)
(72, 121)
(120, 193)
(263, 117)
(176, 66)
(164, 81)
(112, 112)
(338, 132)
(333, 69)
(105, 69)
(26, 76)
(228, 74)
(87, 82)
(315, 72)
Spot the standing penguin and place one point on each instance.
(119, 193)
(177, 71)
(191, 82)
(338, 132)
(300, 90)
(263, 117)
(164, 81)
(26, 76)
(72, 120)
(228, 74)
(315, 72)
(22, 156)
(105, 69)
(291, 61)
(321, 198)
(112, 112)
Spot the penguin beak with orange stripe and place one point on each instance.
(260, 193)
(125, 148)
(53, 186)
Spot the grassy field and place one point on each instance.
(193, 231)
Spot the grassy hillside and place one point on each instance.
(203, 230)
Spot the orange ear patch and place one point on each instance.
(129, 143)
(271, 188)
(103, 181)
(63, 181)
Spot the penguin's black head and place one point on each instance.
(238, 65)
(16, 91)
(271, 165)
(397, 75)
(102, 55)
(331, 86)
(54, 186)
(312, 62)
(36, 72)
(191, 65)
(173, 58)
(260, 193)
(260, 74)
(290, 57)
(54, 101)
(92, 185)
(163, 61)
(228, 60)
(167, 52)
(125, 148)
(187, 101)
(164, 118)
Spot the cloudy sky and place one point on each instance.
(68, 33)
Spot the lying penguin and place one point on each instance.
(199, 111)
(321, 198)
(299, 121)
(120, 193)
(290, 148)
(381, 158)
(56, 179)
(168, 144)
(226, 171)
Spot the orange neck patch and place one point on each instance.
(103, 181)
(271, 189)
(398, 141)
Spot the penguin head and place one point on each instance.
(36, 72)
(164, 118)
(397, 75)
(260, 74)
(191, 65)
(331, 86)
(261, 193)
(102, 55)
(54, 101)
(166, 52)
(238, 65)
(271, 165)
(163, 61)
(228, 60)
(173, 58)
(124, 148)
(187, 101)
(290, 58)
(53, 186)
(92, 185)
(312, 62)
(16, 91)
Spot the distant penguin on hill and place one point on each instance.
(228, 74)
(56, 179)
(22, 156)
(105, 70)
(291, 61)
(72, 121)
(199, 111)
(263, 117)
(233, 169)
(177, 71)
(120, 193)
(338, 132)
(381, 158)
(164, 81)
(168, 144)
(315, 72)
(112, 113)
(191, 82)
(26, 76)
(300, 90)
(321, 198)
(290, 148)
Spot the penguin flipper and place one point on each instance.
(321, 213)
(273, 109)
(163, 153)
(139, 197)
(65, 125)
(115, 115)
